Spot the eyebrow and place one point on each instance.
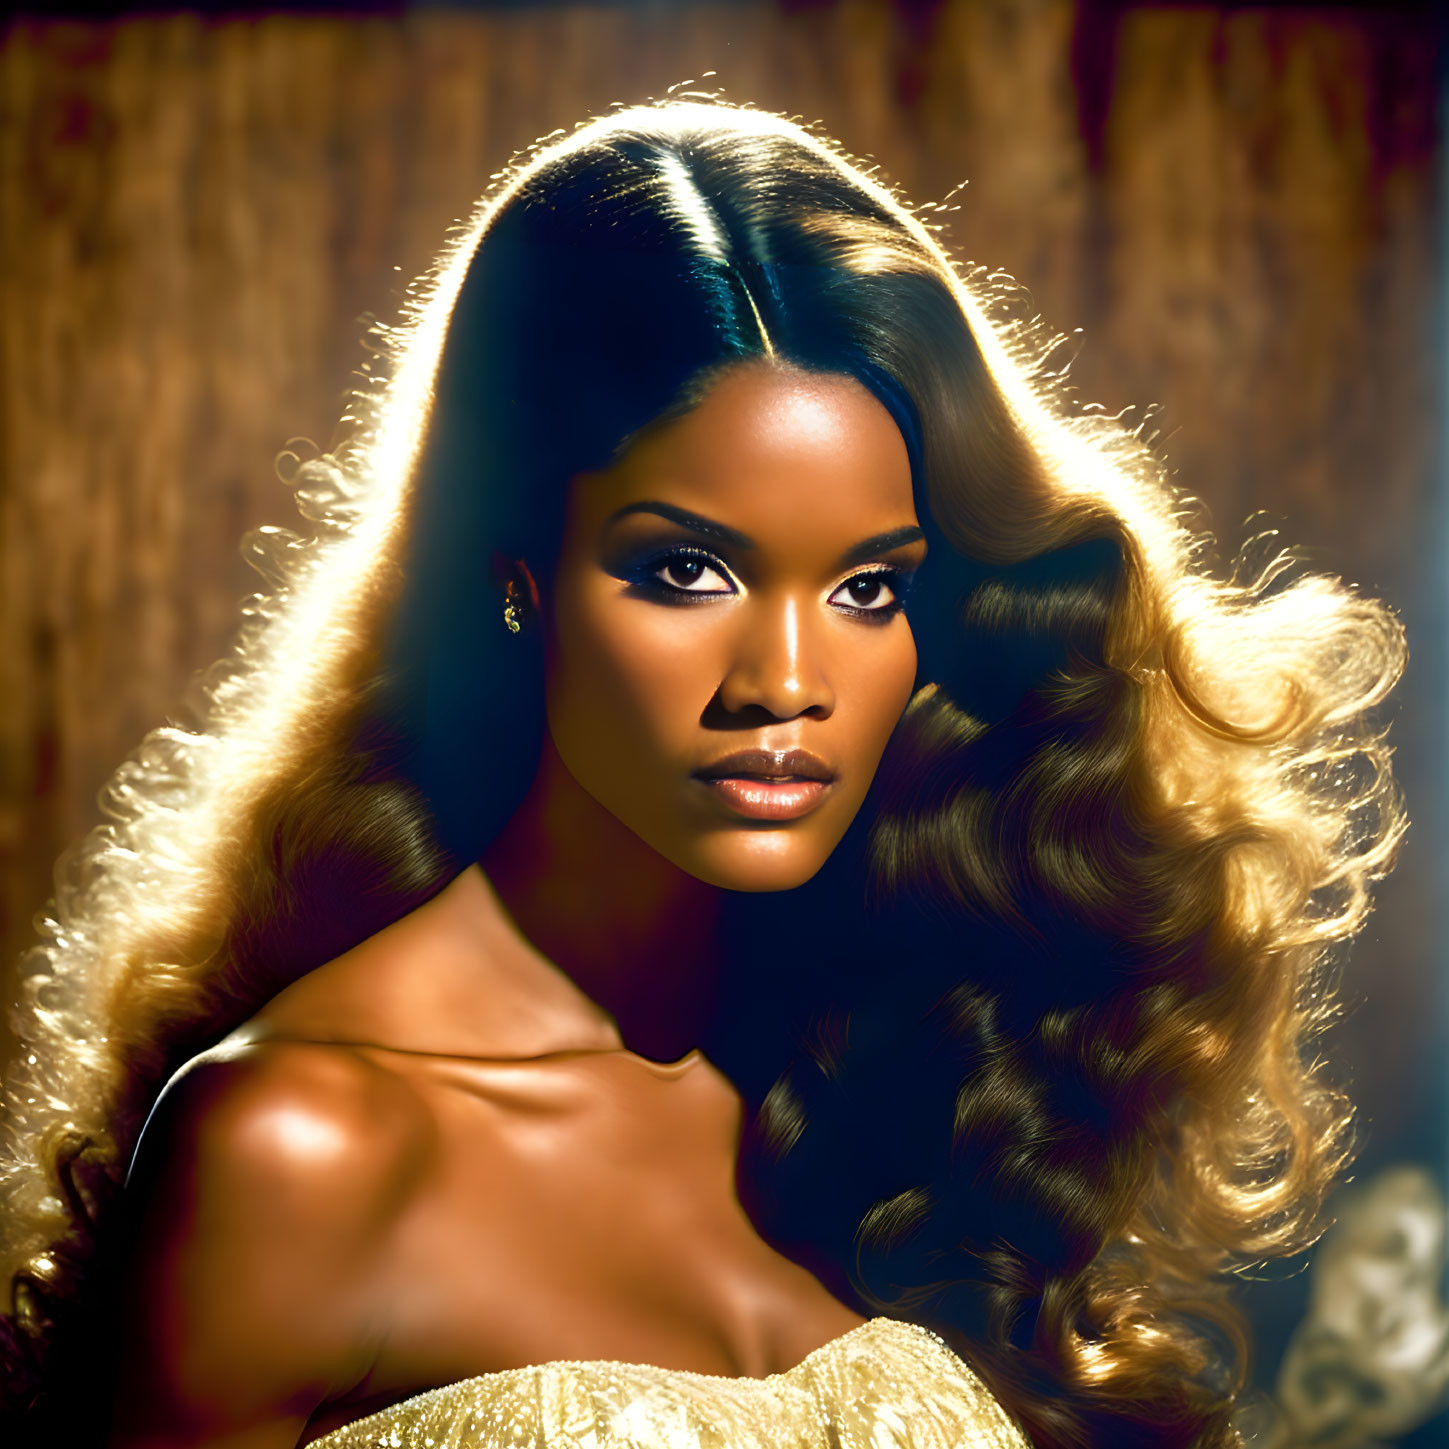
(697, 523)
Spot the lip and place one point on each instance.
(769, 765)
(768, 784)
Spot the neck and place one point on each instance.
(634, 932)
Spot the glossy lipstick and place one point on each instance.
(769, 784)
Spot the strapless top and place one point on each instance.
(884, 1385)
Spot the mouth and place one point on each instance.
(768, 784)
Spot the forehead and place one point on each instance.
(768, 450)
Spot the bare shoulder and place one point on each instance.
(267, 1189)
(321, 1121)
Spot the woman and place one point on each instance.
(748, 841)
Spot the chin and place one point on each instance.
(757, 861)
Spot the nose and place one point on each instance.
(777, 663)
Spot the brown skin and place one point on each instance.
(466, 1145)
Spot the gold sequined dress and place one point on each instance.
(883, 1385)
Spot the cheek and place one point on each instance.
(878, 683)
(627, 685)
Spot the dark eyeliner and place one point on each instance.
(897, 580)
(642, 576)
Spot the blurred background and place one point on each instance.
(1242, 207)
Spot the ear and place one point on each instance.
(529, 582)
(508, 570)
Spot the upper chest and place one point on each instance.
(585, 1208)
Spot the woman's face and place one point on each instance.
(726, 651)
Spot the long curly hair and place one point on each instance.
(1049, 1078)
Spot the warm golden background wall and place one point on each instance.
(1238, 205)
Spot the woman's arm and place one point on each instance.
(253, 1293)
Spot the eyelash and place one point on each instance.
(645, 577)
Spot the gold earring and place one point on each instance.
(513, 607)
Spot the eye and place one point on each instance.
(684, 571)
(879, 592)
